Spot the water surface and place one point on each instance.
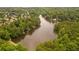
(42, 34)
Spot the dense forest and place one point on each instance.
(16, 22)
(67, 30)
(67, 40)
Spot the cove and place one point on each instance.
(44, 33)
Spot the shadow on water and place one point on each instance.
(43, 33)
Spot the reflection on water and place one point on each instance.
(42, 34)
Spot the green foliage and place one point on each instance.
(20, 48)
(20, 26)
(27, 20)
(68, 38)
(15, 22)
(7, 46)
(45, 46)
(4, 34)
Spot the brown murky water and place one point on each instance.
(42, 34)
